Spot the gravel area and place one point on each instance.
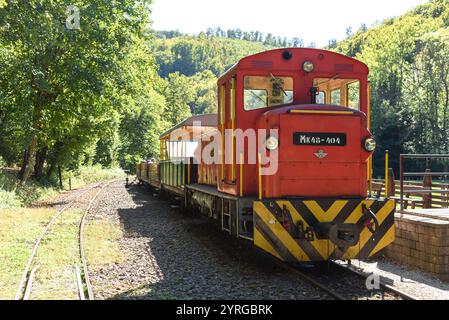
(172, 255)
(412, 281)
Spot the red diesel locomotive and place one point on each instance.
(285, 163)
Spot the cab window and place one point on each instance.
(255, 99)
(336, 97)
(262, 92)
(342, 92)
(321, 98)
(354, 95)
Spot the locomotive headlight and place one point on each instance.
(308, 66)
(272, 143)
(370, 145)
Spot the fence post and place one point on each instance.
(391, 184)
(387, 179)
(427, 185)
(447, 196)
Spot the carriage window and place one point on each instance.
(336, 97)
(262, 92)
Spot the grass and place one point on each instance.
(12, 195)
(18, 231)
(58, 254)
(57, 258)
(101, 243)
(93, 174)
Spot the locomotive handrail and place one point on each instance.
(428, 173)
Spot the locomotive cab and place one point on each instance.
(315, 104)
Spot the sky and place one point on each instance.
(312, 21)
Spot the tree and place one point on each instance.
(66, 81)
(348, 32)
(178, 94)
(332, 44)
(426, 93)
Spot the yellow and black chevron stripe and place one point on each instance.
(271, 235)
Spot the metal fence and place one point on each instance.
(417, 189)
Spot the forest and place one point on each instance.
(103, 93)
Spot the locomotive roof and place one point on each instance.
(206, 120)
(298, 53)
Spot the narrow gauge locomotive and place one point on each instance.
(302, 193)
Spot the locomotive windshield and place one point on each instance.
(263, 92)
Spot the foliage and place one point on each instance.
(195, 63)
(191, 55)
(238, 34)
(407, 57)
(13, 194)
(65, 91)
(102, 94)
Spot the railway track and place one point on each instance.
(85, 277)
(345, 283)
(388, 288)
(28, 275)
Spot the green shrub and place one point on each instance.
(92, 174)
(8, 199)
(12, 194)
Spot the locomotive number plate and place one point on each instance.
(319, 139)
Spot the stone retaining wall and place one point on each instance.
(423, 243)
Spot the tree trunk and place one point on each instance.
(41, 99)
(50, 170)
(28, 159)
(53, 158)
(41, 157)
(60, 177)
(30, 154)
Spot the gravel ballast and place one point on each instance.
(173, 255)
(417, 283)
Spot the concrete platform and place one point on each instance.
(422, 241)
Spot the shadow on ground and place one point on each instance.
(195, 260)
